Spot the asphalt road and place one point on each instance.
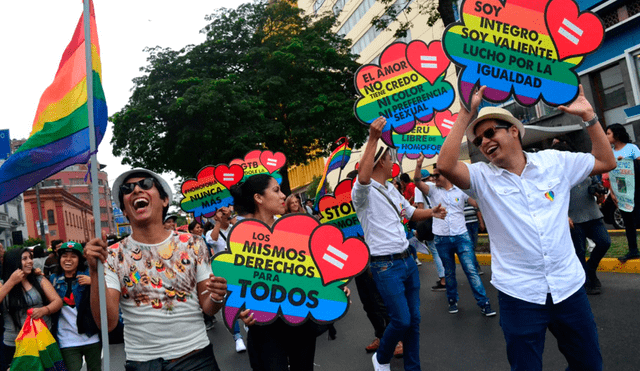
(463, 341)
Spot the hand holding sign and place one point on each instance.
(273, 271)
(408, 85)
(527, 50)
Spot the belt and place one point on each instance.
(397, 256)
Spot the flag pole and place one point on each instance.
(342, 164)
(94, 183)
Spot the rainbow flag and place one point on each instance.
(338, 159)
(60, 133)
(36, 349)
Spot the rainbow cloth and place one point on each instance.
(60, 133)
(36, 349)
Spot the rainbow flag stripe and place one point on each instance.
(60, 132)
(337, 159)
(36, 349)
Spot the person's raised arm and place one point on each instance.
(365, 170)
(600, 147)
(417, 176)
(448, 159)
(423, 214)
(95, 250)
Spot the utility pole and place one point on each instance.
(44, 238)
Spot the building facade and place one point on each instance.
(67, 217)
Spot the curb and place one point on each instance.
(606, 264)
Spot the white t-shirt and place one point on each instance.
(453, 200)
(383, 230)
(159, 299)
(629, 150)
(68, 335)
(221, 243)
(532, 252)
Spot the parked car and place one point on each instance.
(611, 213)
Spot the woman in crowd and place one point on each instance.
(76, 332)
(277, 346)
(293, 205)
(195, 227)
(23, 290)
(624, 149)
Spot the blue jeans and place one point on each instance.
(597, 232)
(447, 247)
(473, 228)
(436, 258)
(399, 285)
(525, 324)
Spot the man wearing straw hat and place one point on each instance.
(524, 198)
(160, 279)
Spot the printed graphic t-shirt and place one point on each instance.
(159, 300)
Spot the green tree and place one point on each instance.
(266, 77)
(434, 9)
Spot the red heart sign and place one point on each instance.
(428, 60)
(573, 33)
(205, 176)
(336, 257)
(395, 170)
(272, 161)
(444, 122)
(229, 175)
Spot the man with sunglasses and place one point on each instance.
(382, 210)
(160, 280)
(525, 199)
(452, 238)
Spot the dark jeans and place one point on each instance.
(372, 302)
(597, 232)
(201, 360)
(630, 226)
(398, 282)
(525, 324)
(281, 347)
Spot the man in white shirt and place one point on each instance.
(452, 237)
(382, 211)
(160, 279)
(525, 198)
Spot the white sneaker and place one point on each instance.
(240, 347)
(418, 262)
(377, 366)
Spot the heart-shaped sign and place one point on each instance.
(229, 175)
(205, 176)
(444, 122)
(428, 60)
(336, 257)
(272, 161)
(573, 33)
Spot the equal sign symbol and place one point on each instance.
(568, 35)
(429, 58)
(272, 162)
(447, 124)
(330, 259)
(227, 177)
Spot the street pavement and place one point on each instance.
(463, 341)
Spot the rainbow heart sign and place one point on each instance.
(209, 191)
(337, 209)
(426, 138)
(522, 49)
(295, 270)
(261, 162)
(406, 87)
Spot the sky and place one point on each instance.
(34, 34)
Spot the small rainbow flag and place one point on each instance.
(36, 349)
(60, 133)
(338, 159)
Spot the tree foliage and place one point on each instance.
(393, 9)
(266, 77)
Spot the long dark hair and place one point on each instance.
(619, 133)
(243, 193)
(15, 301)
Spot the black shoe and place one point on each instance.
(629, 256)
(596, 283)
(593, 290)
(439, 287)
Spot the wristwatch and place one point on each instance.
(586, 124)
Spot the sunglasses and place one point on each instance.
(144, 184)
(489, 134)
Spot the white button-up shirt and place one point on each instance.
(532, 253)
(383, 230)
(453, 200)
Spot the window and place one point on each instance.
(50, 217)
(49, 183)
(339, 5)
(317, 5)
(103, 210)
(524, 114)
(77, 181)
(66, 218)
(100, 182)
(355, 17)
(611, 88)
(372, 33)
(104, 224)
